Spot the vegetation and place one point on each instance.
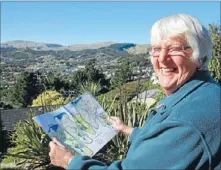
(1, 137)
(48, 98)
(30, 146)
(215, 64)
(29, 85)
(90, 74)
(24, 91)
(122, 74)
(52, 81)
(93, 88)
(127, 91)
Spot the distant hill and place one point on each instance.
(55, 47)
(37, 46)
(138, 49)
(30, 54)
(30, 44)
(77, 47)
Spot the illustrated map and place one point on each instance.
(80, 125)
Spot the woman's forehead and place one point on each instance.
(170, 40)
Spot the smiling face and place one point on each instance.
(172, 63)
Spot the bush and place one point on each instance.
(31, 146)
(126, 92)
(49, 97)
(215, 63)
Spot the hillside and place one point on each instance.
(38, 46)
(55, 47)
(17, 56)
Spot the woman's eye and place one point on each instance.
(157, 49)
(175, 49)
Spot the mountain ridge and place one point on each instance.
(52, 46)
(131, 48)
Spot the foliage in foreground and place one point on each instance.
(48, 98)
(215, 63)
(30, 145)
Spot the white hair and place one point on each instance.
(188, 27)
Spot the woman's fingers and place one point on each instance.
(115, 119)
(57, 142)
(51, 145)
(59, 156)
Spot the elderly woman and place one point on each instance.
(183, 131)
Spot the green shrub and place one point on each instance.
(93, 88)
(48, 97)
(30, 146)
(128, 91)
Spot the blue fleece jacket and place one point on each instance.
(182, 132)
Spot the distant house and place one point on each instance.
(147, 94)
(81, 66)
(148, 97)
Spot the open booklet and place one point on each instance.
(80, 125)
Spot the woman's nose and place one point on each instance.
(163, 55)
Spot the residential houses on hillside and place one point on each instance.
(49, 63)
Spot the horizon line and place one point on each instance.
(113, 42)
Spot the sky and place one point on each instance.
(69, 23)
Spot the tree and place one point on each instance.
(24, 91)
(4, 104)
(50, 81)
(94, 75)
(1, 136)
(90, 74)
(215, 63)
(47, 98)
(122, 74)
(78, 77)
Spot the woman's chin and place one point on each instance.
(166, 81)
(167, 84)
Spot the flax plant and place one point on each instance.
(30, 143)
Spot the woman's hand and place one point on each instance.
(120, 126)
(59, 155)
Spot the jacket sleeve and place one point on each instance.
(171, 145)
(134, 134)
